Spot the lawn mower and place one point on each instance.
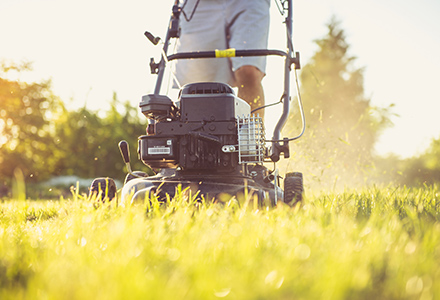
(209, 141)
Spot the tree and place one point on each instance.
(423, 169)
(89, 143)
(26, 142)
(41, 138)
(342, 125)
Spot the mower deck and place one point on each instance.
(212, 187)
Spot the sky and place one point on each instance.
(92, 48)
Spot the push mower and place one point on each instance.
(209, 140)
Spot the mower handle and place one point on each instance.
(173, 32)
(234, 53)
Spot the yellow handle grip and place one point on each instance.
(225, 53)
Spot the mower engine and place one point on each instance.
(209, 128)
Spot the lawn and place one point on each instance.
(373, 243)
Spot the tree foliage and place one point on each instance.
(25, 126)
(42, 139)
(342, 126)
(91, 141)
(413, 171)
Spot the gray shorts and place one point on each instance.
(222, 24)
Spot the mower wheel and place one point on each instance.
(106, 186)
(138, 173)
(293, 188)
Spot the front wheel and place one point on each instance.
(103, 189)
(293, 188)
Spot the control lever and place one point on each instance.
(123, 147)
(154, 39)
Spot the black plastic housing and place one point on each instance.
(194, 137)
(207, 101)
(159, 151)
(157, 106)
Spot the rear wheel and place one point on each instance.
(103, 188)
(293, 188)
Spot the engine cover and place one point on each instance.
(211, 101)
(207, 120)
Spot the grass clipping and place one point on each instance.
(369, 244)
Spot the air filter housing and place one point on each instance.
(157, 107)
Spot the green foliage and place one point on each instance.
(89, 143)
(40, 138)
(367, 244)
(414, 171)
(342, 126)
(425, 168)
(25, 127)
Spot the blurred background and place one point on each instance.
(73, 72)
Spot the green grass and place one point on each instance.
(367, 244)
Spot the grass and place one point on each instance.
(378, 243)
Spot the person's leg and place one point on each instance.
(248, 28)
(249, 85)
(204, 32)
